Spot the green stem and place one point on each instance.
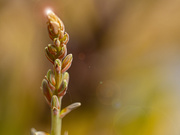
(56, 121)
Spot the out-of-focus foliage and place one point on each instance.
(125, 71)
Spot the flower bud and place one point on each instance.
(55, 104)
(67, 63)
(66, 76)
(51, 77)
(58, 74)
(62, 89)
(66, 38)
(49, 56)
(52, 49)
(57, 43)
(63, 52)
(46, 90)
(55, 26)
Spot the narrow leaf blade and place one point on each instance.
(69, 108)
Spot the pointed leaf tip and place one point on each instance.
(69, 108)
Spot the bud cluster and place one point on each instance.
(56, 81)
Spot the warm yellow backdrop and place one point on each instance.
(125, 72)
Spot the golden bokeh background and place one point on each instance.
(125, 72)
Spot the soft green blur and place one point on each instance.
(125, 72)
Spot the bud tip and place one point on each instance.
(48, 11)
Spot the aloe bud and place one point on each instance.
(58, 74)
(57, 43)
(62, 89)
(55, 26)
(67, 63)
(49, 55)
(63, 52)
(51, 77)
(52, 49)
(46, 91)
(66, 76)
(66, 38)
(55, 104)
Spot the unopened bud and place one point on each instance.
(66, 38)
(52, 49)
(57, 43)
(67, 63)
(62, 89)
(58, 74)
(51, 77)
(49, 55)
(55, 26)
(55, 104)
(66, 76)
(63, 52)
(57, 65)
(46, 91)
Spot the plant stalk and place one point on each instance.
(56, 121)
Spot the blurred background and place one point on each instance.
(125, 72)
